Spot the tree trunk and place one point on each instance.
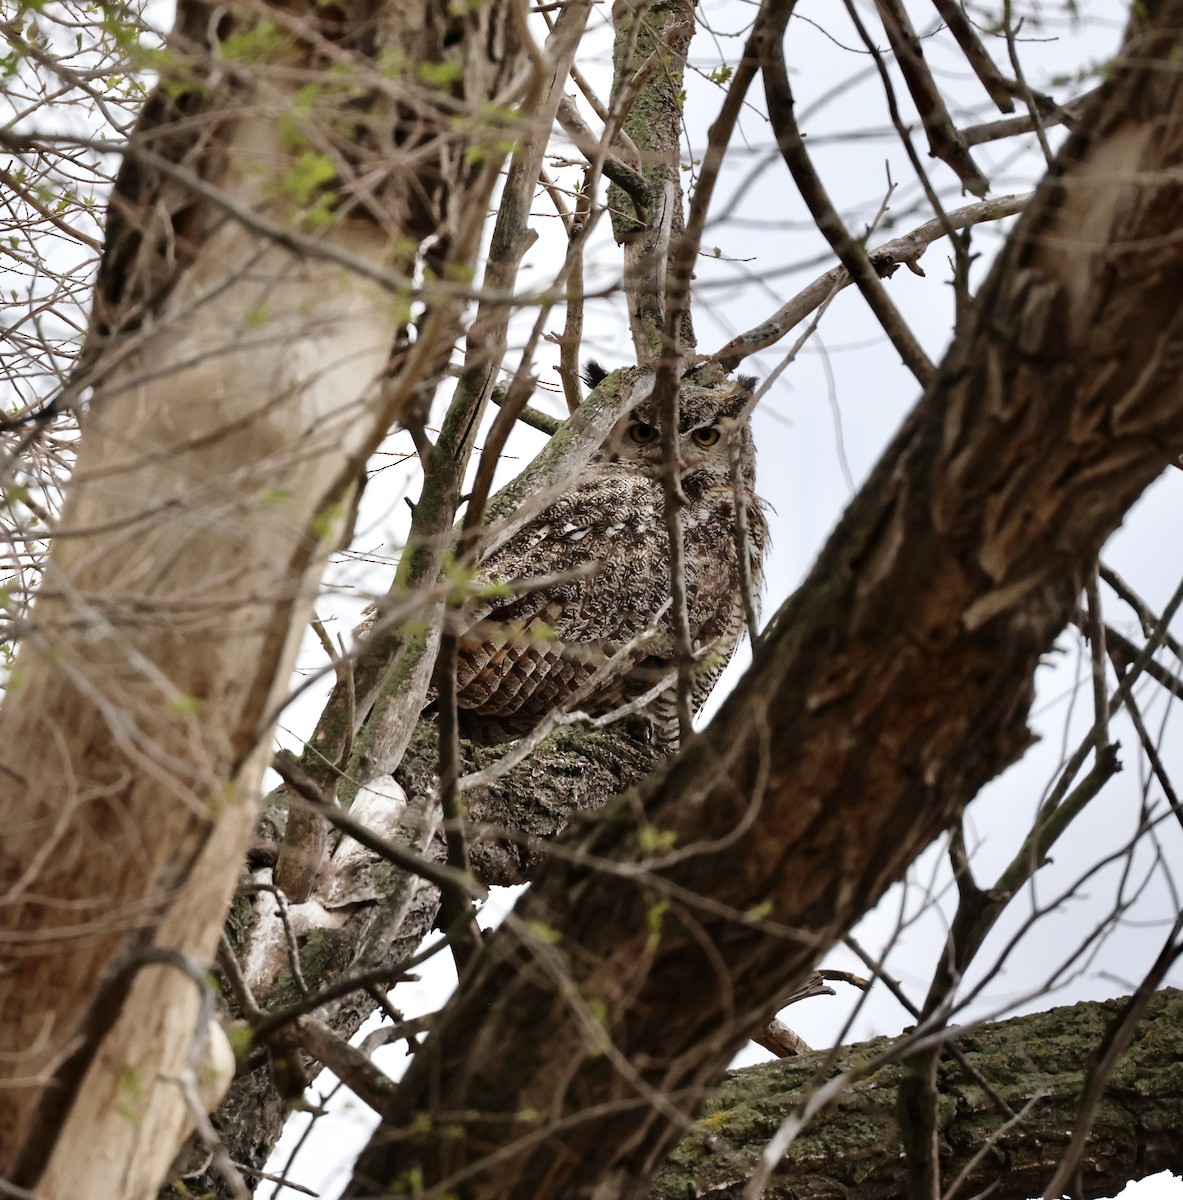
(886, 692)
(242, 327)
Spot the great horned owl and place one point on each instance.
(606, 542)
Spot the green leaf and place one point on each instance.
(440, 75)
(263, 43)
(544, 932)
(307, 175)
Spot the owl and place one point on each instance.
(597, 632)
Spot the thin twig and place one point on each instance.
(666, 384)
(739, 499)
(293, 944)
(240, 990)
(905, 250)
(533, 417)
(1153, 757)
(849, 251)
(1124, 687)
(1024, 89)
(675, 501)
(1146, 616)
(1124, 652)
(571, 339)
(305, 1135)
(270, 1177)
(994, 131)
(955, 1050)
(220, 1159)
(996, 84)
(354, 1068)
(555, 192)
(631, 182)
(458, 908)
(29, 197)
(771, 377)
(1096, 640)
(904, 135)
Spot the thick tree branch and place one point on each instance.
(852, 1147)
(211, 462)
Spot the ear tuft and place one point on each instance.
(593, 373)
(746, 382)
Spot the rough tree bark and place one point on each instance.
(1035, 1064)
(240, 356)
(885, 693)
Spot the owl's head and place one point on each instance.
(710, 421)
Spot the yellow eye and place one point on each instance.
(641, 433)
(706, 436)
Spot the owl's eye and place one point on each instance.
(642, 433)
(707, 436)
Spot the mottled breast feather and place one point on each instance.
(597, 631)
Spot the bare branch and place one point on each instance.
(999, 87)
(943, 139)
(905, 250)
(852, 256)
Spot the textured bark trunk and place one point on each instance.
(244, 318)
(886, 692)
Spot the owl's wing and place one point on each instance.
(588, 576)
